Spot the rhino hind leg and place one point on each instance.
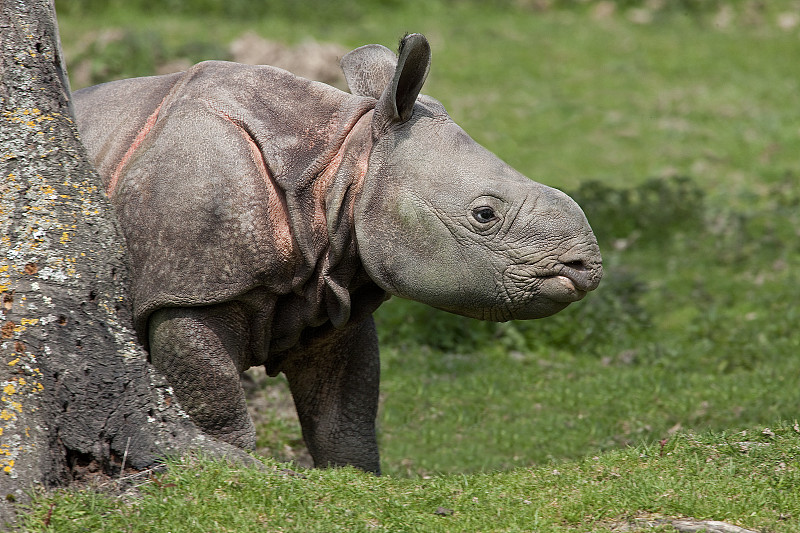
(202, 351)
(334, 382)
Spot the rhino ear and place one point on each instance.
(369, 69)
(414, 61)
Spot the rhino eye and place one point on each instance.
(484, 214)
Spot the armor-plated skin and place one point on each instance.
(267, 216)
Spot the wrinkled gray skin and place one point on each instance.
(267, 216)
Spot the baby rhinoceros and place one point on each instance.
(267, 216)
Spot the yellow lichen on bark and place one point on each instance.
(17, 396)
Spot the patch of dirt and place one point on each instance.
(99, 56)
(309, 59)
(655, 522)
(272, 409)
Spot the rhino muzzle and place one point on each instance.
(532, 291)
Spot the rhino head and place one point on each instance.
(443, 221)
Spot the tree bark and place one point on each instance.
(77, 395)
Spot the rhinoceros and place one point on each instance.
(267, 216)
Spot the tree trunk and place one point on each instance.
(77, 395)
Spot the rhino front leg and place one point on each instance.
(201, 351)
(334, 381)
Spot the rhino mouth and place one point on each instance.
(571, 281)
(561, 288)
(545, 292)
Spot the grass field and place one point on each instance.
(676, 125)
(747, 479)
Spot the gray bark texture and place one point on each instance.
(77, 396)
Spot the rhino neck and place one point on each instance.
(330, 282)
(337, 188)
(336, 191)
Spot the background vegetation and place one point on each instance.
(675, 125)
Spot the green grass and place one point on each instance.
(680, 139)
(751, 479)
(563, 97)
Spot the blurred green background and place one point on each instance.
(675, 125)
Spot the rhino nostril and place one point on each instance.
(576, 265)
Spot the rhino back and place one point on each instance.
(110, 116)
